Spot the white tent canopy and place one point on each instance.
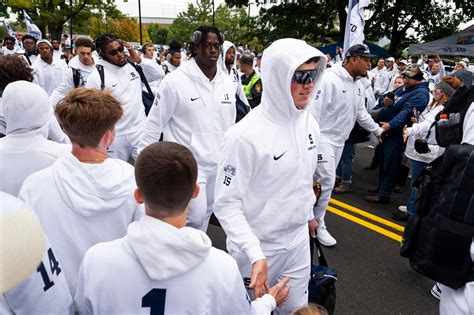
(459, 44)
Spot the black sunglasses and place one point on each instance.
(116, 51)
(304, 76)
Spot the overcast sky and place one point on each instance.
(156, 8)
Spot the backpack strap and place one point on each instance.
(142, 76)
(76, 77)
(27, 58)
(100, 69)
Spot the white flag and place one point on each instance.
(33, 30)
(9, 29)
(355, 23)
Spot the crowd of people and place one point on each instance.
(123, 155)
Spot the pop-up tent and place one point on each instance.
(459, 44)
(374, 49)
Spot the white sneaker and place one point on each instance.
(402, 208)
(436, 291)
(325, 238)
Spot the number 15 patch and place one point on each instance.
(230, 172)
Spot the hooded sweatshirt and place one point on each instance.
(339, 103)
(81, 204)
(233, 73)
(264, 188)
(192, 110)
(67, 83)
(48, 76)
(25, 149)
(187, 274)
(29, 296)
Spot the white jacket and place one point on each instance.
(153, 73)
(67, 82)
(419, 131)
(339, 103)
(29, 296)
(82, 204)
(264, 187)
(163, 267)
(380, 80)
(192, 111)
(25, 149)
(126, 86)
(48, 76)
(233, 73)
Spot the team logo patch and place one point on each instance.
(229, 170)
(258, 88)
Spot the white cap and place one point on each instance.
(404, 62)
(44, 41)
(390, 59)
(462, 63)
(465, 59)
(22, 242)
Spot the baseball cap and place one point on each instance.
(44, 41)
(403, 61)
(246, 58)
(466, 60)
(22, 245)
(390, 59)
(462, 63)
(465, 76)
(359, 50)
(414, 72)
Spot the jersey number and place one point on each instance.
(54, 265)
(227, 180)
(155, 300)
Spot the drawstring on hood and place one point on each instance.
(27, 109)
(165, 251)
(279, 62)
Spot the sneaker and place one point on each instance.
(400, 216)
(337, 182)
(402, 208)
(342, 188)
(325, 238)
(436, 291)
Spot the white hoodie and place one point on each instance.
(29, 296)
(126, 86)
(67, 83)
(264, 188)
(339, 102)
(233, 73)
(163, 267)
(81, 204)
(25, 149)
(192, 111)
(48, 76)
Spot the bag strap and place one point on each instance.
(142, 76)
(100, 68)
(27, 58)
(76, 77)
(314, 244)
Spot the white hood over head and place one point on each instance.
(279, 62)
(91, 189)
(225, 48)
(26, 108)
(165, 251)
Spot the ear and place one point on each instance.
(138, 196)
(108, 137)
(196, 191)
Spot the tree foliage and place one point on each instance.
(157, 34)
(51, 15)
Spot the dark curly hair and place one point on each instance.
(13, 68)
(102, 40)
(205, 29)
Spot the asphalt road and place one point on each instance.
(372, 277)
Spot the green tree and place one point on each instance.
(51, 15)
(157, 34)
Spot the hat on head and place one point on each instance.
(44, 41)
(67, 47)
(465, 59)
(414, 72)
(390, 59)
(22, 246)
(462, 63)
(403, 61)
(465, 76)
(359, 50)
(246, 58)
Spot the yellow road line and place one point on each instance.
(367, 215)
(366, 224)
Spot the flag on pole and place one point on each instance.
(33, 30)
(354, 33)
(9, 29)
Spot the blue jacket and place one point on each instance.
(398, 114)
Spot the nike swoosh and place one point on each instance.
(114, 85)
(193, 99)
(278, 157)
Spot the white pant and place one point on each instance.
(200, 208)
(328, 159)
(460, 301)
(124, 145)
(294, 264)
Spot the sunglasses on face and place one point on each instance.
(304, 76)
(116, 51)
